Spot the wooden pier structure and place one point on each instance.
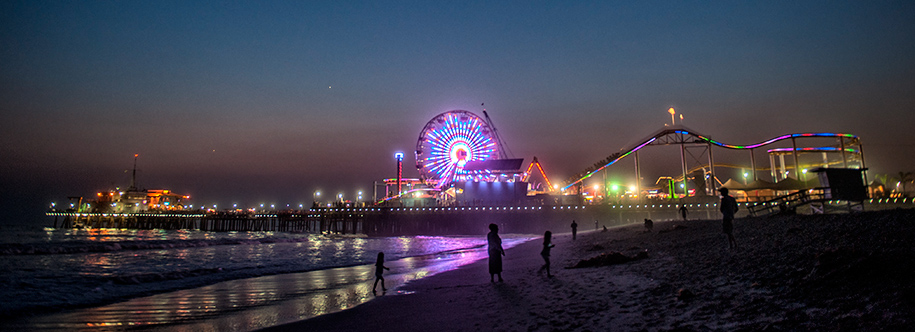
(398, 221)
(382, 221)
(324, 221)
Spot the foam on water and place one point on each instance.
(47, 270)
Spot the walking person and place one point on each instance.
(574, 229)
(683, 211)
(379, 269)
(495, 252)
(545, 253)
(728, 208)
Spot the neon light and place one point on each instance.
(407, 193)
(527, 174)
(707, 139)
(611, 162)
(452, 139)
(767, 142)
(816, 149)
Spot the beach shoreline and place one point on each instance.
(239, 304)
(820, 272)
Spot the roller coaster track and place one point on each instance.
(679, 177)
(679, 134)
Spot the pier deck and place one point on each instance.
(396, 221)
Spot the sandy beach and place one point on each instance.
(844, 272)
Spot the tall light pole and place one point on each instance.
(672, 112)
(133, 179)
(399, 157)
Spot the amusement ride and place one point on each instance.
(457, 151)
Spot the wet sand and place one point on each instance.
(824, 272)
(250, 304)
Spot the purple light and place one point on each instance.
(451, 140)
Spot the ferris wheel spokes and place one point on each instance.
(451, 140)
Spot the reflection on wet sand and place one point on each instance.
(250, 304)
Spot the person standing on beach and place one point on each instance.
(574, 229)
(379, 269)
(545, 253)
(683, 211)
(495, 252)
(728, 208)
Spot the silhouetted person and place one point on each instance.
(495, 252)
(379, 269)
(728, 208)
(595, 224)
(545, 253)
(649, 224)
(574, 230)
(605, 229)
(683, 211)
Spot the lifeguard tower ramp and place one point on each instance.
(841, 190)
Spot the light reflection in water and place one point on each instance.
(250, 304)
(98, 260)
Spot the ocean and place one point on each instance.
(46, 271)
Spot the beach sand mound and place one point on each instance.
(609, 258)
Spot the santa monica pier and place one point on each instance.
(468, 180)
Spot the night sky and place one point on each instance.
(266, 102)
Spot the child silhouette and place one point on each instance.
(379, 269)
(545, 253)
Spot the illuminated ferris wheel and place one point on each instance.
(449, 141)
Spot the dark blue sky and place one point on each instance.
(255, 102)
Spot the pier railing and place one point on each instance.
(388, 221)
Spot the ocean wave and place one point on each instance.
(142, 278)
(99, 272)
(76, 247)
